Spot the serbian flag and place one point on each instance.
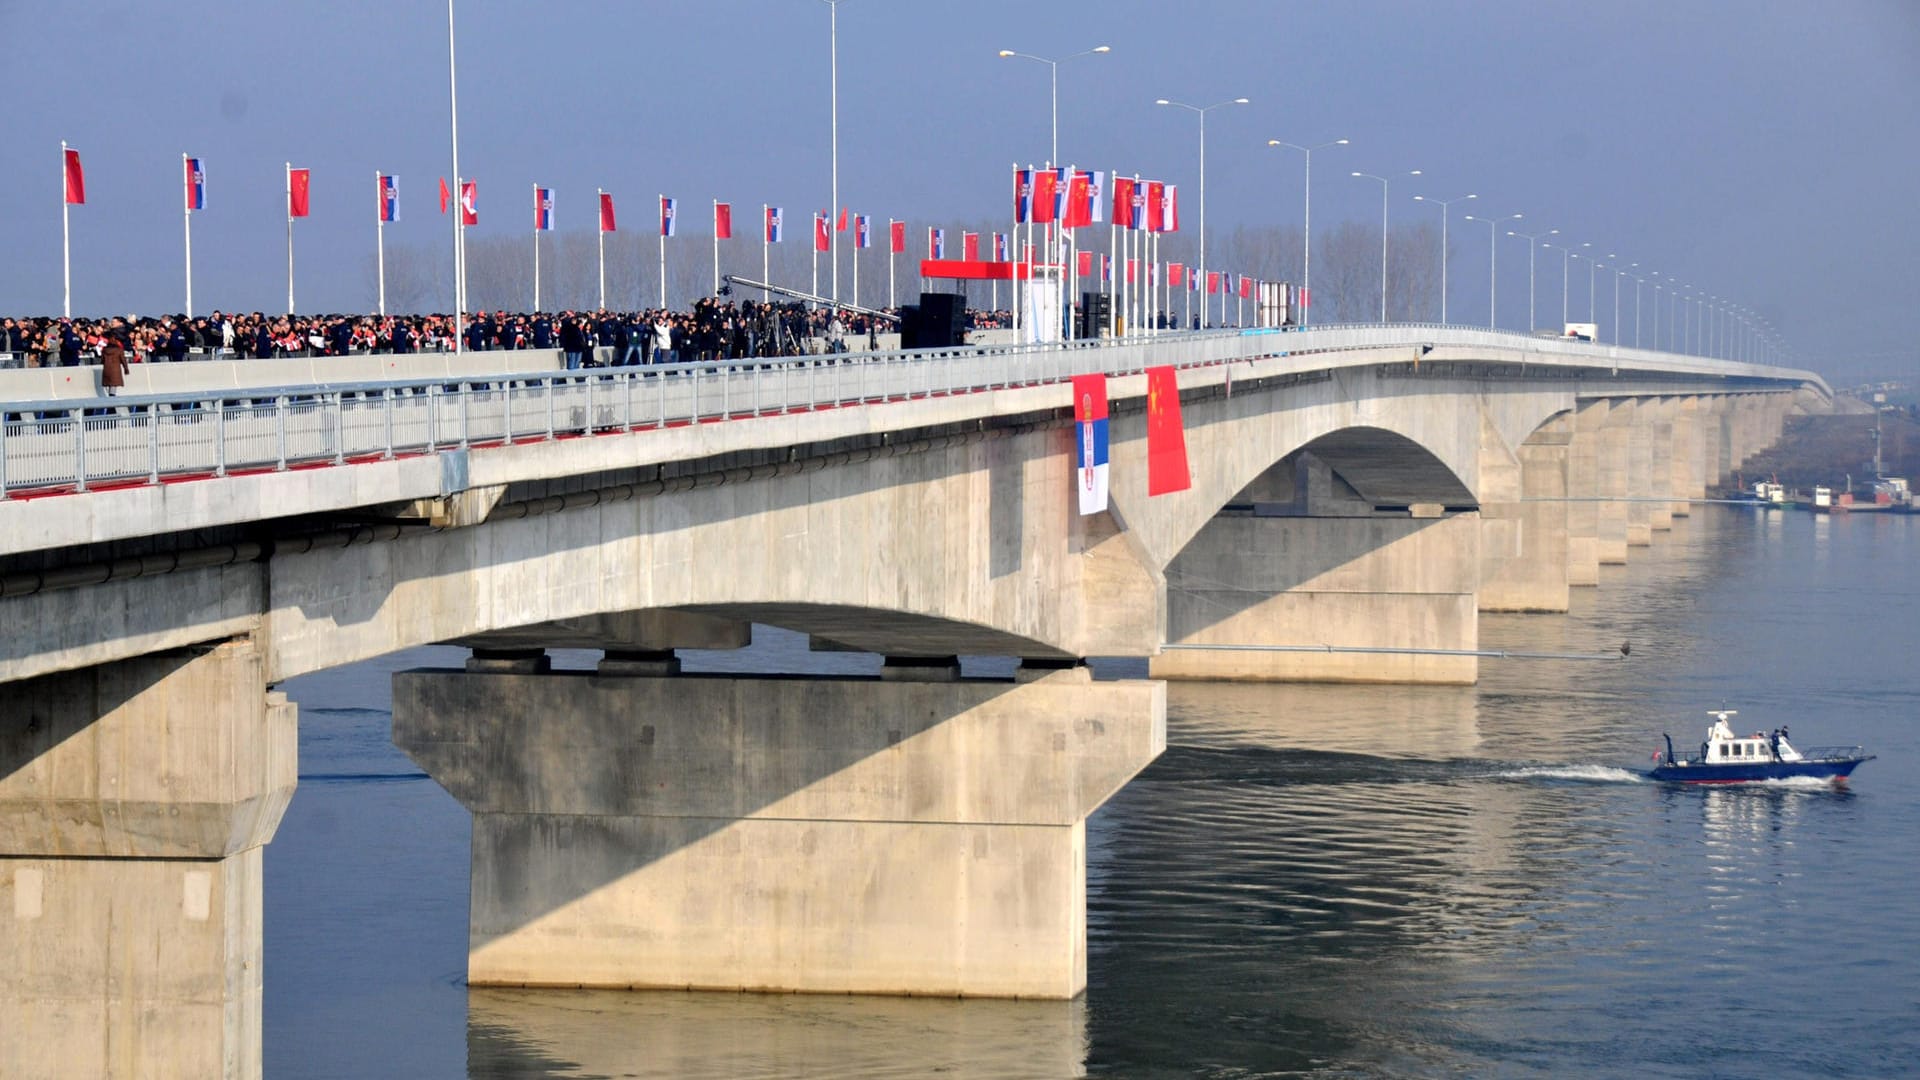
(999, 247)
(1138, 209)
(936, 243)
(862, 231)
(897, 237)
(1096, 198)
(722, 221)
(776, 224)
(543, 209)
(970, 246)
(1062, 195)
(389, 195)
(1022, 196)
(1090, 439)
(821, 241)
(669, 210)
(1170, 210)
(1213, 282)
(469, 202)
(76, 180)
(1123, 201)
(1156, 206)
(1193, 280)
(1085, 261)
(196, 185)
(1043, 185)
(606, 212)
(842, 226)
(1106, 268)
(298, 188)
(446, 197)
(1306, 298)
(1166, 438)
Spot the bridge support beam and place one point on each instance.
(135, 798)
(1374, 582)
(1636, 416)
(1687, 475)
(1524, 513)
(914, 834)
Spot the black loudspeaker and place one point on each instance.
(910, 327)
(1096, 314)
(942, 320)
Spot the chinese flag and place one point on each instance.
(1156, 206)
(1086, 264)
(821, 241)
(1173, 275)
(970, 246)
(1246, 287)
(1079, 201)
(897, 241)
(723, 221)
(446, 196)
(1213, 281)
(842, 226)
(606, 211)
(1043, 185)
(1123, 202)
(76, 180)
(1166, 438)
(298, 181)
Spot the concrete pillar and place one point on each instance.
(1616, 483)
(1636, 415)
(1377, 582)
(1523, 515)
(910, 835)
(1717, 439)
(1685, 477)
(135, 798)
(1657, 415)
(1583, 492)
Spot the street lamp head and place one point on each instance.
(1415, 172)
(1339, 142)
(1240, 101)
(1102, 48)
(1007, 52)
(1359, 174)
(1162, 101)
(1275, 142)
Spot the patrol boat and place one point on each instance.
(1727, 758)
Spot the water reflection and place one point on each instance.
(589, 1033)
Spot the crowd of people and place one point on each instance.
(715, 329)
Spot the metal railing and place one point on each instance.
(77, 445)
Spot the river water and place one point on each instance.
(1326, 880)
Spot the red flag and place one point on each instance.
(298, 188)
(446, 197)
(1213, 281)
(1086, 264)
(970, 246)
(821, 241)
(842, 226)
(1166, 438)
(1156, 205)
(723, 221)
(1123, 202)
(1043, 185)
(469, 202)
(1246, 287)
(76, 180)
(606, 212)
(1173, 274)
(897, 241)
(1132, 264)
(1079, 201)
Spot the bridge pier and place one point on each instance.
(1524, 519)
(1378, 582)
(914, 834)
(135, 799)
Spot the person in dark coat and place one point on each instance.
(113, 365)
(341, 336)
(573, 342)
(69, 345)
(177, 343)
(542, 332)
(263, 341)
(402, 338)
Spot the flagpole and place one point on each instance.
(189, 230)
(380, 235)
(815, 245)
(290, 236)
(536, 247)
(663, 253)
(66, 244)
(459, 235)
(766, 253)
(856, 261)
(601, 207)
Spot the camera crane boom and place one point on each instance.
(749, 283)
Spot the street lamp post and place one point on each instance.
(1053, 68)
(1445, 205)
(1306, 240)
(1383, 235)
(1566, 254)
(1657, 287)
(1493, 262)
(833, 52)
(1531, 239)
(1202, 110)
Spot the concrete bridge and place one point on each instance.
(167, 559)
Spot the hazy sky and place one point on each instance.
(1763, 150)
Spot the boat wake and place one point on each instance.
(1586, 774)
